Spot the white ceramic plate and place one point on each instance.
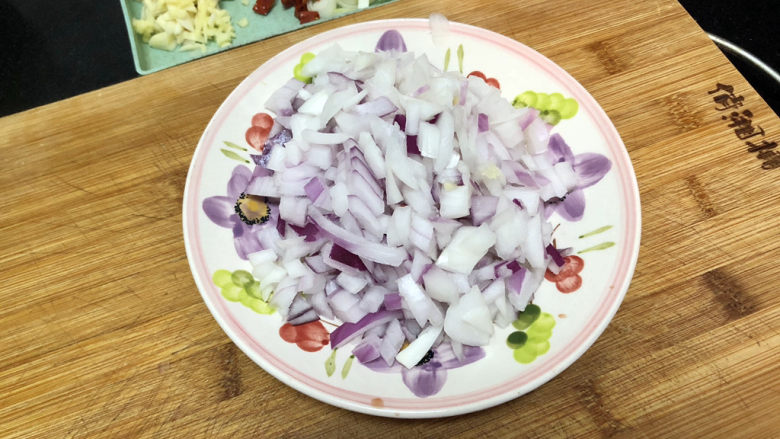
(595, 283)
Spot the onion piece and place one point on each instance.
(468, 321)
(419, 304)
(368, 349)
(392, 341)
(348, 331)
(467, 247)
(417, 349)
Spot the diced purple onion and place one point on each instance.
(483, 208)
(482, 122)
(368, 349)
(347, 331)
(309, 316)
(393, 302)
(378, 107)
(555, 255)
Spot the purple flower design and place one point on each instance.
(589, 167)
(389, 41)
(428, 379)
(221, 210)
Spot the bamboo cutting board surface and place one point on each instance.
(105, 335)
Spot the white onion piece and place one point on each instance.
(339, 198)
(262, 257)
(420, 305)
(455, 201)
(282, 298)
(440, 285)
(276, 160)
(295, 268)
(428, 140)
(446, 126)
(412, 354)
(320, 156)
(293, 210)
(315, 104)
(391, 342)
(420, 262)
(351, 283)
(341, 303)
(373, 298)
(533, 248)
(319, 302)
(335, 103)
(439, 28)
(400, 224)
(467, 247)
(537, 137)
(313, 136)
(468, 321)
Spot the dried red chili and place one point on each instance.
(302, 13)
(263, 7)
(307, 16)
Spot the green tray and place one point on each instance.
(278, 21)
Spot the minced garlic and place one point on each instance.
(166, 24)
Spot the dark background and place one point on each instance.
(57, 49)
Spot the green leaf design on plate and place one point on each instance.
(347, 366)
(602, 246)
(330, 363)
(233, 155)
(601, 229)
(234, 146)
(460, 58)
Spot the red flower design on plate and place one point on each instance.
(493, 82)
(310, 337)
(568, 279)
(257, 134)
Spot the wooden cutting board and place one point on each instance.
(104, 334)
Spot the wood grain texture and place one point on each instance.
(105, 335)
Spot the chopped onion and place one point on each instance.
(468, 321)
(368, 349)
(392, 341)
(407, 202)
(348, 331)
(417, 349)
(467, 247)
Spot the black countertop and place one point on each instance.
(55, 50)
